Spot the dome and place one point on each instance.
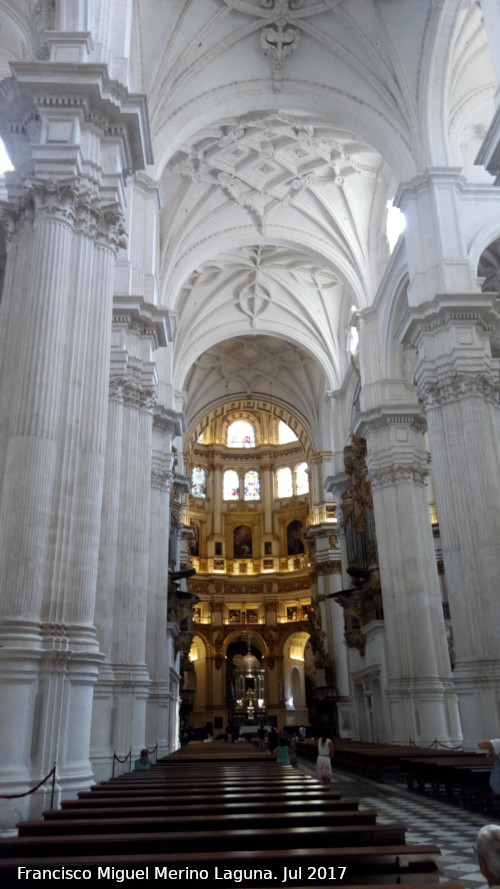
(249, 663)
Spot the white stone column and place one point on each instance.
(165, 424)
(457, 380)
(67, 136)
(422, 699)
(72, 654)
(138, 329)
(42, 448)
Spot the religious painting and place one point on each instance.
(234, 616)
(242, 542)
(218, 548)
(268, 548)
(252, 616)
(291, 612)
(294, 538)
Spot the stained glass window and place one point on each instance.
(231, 485)
(285, 434)
(252, 485)
(302, 478)
(241, 435)
(284, 482)
(199, 482)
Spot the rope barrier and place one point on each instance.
(122, 761)
(154, 750)
(434, 745)
(52, 774)
(448, 747)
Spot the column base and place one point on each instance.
(157, 711)
(120, 711)
(423, 711)
(478, 688)
(345, 717)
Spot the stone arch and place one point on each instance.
(275, 409)
(256, 638)
(294, 672)
(449, 107)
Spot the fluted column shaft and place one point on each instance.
(156, 642)
(123, 560)
(126, 600)
(458, 384)
(422, 700)
(37, 317)
(52, 465)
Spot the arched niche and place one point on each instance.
(295, 538)
(294, 671)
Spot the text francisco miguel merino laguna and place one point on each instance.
(188, 874)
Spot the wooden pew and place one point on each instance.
(376, 864)
(224, 840)
(168, 823)
(215, 805)
(256, 818)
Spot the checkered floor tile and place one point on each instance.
(453, 828)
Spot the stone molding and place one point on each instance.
(105, 104)
(375, 420)
(446, 310)
(144, 318)
(167, 421)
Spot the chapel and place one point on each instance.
(249, 376)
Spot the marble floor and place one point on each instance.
(453, 828)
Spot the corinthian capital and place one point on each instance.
(458, 386)
(111, 230)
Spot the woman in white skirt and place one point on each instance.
(324, 761)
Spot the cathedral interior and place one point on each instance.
(249, 376)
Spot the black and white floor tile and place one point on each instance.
(453, 828)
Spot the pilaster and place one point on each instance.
(458, 384)
(121, 616)
(421, 696)
(166, 426)
(327, 566)
(435, 236)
